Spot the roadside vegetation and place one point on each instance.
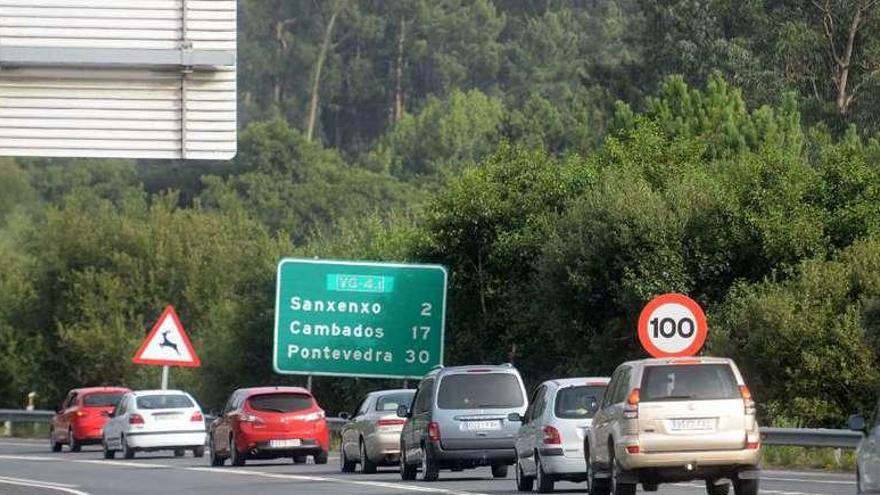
(567, 161)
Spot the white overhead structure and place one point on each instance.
(118, 78)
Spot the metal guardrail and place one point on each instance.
(799, 437)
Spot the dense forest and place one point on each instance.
(567, 160)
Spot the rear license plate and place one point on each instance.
(695, 424)
(284, 444)
(166, 417)
(481, 425)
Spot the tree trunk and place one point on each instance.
(319, 65)
(843, 66)
(398, 76)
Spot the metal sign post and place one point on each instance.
(165, 370)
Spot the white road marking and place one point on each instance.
(53, 483)
(813, 480)
(28, 458)
(41, 484)
(20, 444)
(108, 462)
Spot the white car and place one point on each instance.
(151, 420)
(550, 442)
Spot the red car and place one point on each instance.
(80, 419)
(268, 423)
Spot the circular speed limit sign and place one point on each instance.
(672, 325)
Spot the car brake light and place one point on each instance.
(633, 449)
(551, 436)
(250, 418)
(386, 423)
(631, 410)
(197, 416)
(748, 402)
(685, 361)
(81, 414)
(433, 431)
(315, 416)
(135, 419)
(478, 371)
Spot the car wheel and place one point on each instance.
(179, 452)
(499, 470)
(618, 488)
(713, 488)
(745, 487)
(127, 451)
(407, 471)
(54, 444)
(108, 452)
(523, 483)
(858, 481)
(367, 466)
(595, 486)
(430, 471)
(72, 443)
(300, 459)
(650, 487)
(544, 482)
(321, 457)
(345, 465)
(236, 458)
(199, 451)
(216, 460)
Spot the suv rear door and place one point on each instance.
(686, 407)
(472, 409)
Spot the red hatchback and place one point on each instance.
(80, 419)
(267, 423)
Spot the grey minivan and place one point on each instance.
(460, 418)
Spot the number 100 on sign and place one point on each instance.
(672, 325)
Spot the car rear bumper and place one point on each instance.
(383, 447)
(145, 440)
(474, 457)
(562, 465)
(722, 458)
(264, 450)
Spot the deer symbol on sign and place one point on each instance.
(167, 343)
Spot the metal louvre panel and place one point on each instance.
(124, 113)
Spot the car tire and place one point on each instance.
(745, 487)
(300, 459)
(858, 481)
(345, 465)
(236, 458)
(199, 451)
(179, 452)
(108, 452)
(72, 443)
(127, 451)
(216, 460)
(717, 489)
(499, 471)
(54, 444)
(367, 466)
(430, 470)
(321, 457)
(618, 488)
(523, 483)
(650, 487)
(543, 482)
(408, 472)
(595, 486)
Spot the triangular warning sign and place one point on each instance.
(167, 344)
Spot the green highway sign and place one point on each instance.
(349, 318)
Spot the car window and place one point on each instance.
(579, 402)
(102, 399)
(390, 402)
(423, 400)
(71, 401)
(531, 409)
(122, 407)
(688, 382)
(280, 402)
(480, 391)
(163, 402)
(540, 402)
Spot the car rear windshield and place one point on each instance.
(163, 402)
(102, 400)
(688, 382)
(578, 402)
(480, 391)
(391, 401)
(280, 403)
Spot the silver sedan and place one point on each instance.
(372, 437)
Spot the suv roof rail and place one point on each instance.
(509, 365)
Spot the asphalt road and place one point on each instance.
(28, 468)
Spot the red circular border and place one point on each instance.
(702, 326)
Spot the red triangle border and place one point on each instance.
(169, 310)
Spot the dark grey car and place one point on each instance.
(459, 419)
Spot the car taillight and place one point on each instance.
(197, 416)
(81, 414)
(433, 431)
(315, 416)
(748, 402)
(390, 423)
(633, 449)
(250, 418)
(135, 419)
(552, 436)
(631, 409)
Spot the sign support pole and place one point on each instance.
(165, 370)
(405, 383)
(309, 383)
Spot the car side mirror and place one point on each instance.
(857, 423)
(344, 416)
(515, 417)
(107, 414)
(402, 411)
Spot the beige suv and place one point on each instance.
(673, 420)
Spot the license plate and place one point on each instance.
(696, 424)
(481, 425)
(284, 444)
(166, 417)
